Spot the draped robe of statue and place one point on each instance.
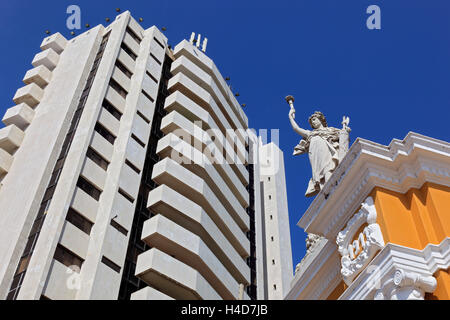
(322, 146)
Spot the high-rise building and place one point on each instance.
(127, 172)
(276, 232)
(382, 225)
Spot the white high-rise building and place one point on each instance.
(125, 174)
(276, 232)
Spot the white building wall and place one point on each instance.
(277, 233)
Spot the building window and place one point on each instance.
(273, 261)
(124, 69)
(112, 109)
(118, 227)
(270, 197)
(134, 35)
(97, 158)
(89, 188)
(67, 257)
(151, 77)
(159, 43)
(148, 96)
(126, 195)
(271, 238)
(142, 144)
(268, 179)
(143, 117)
(274, 287)
(105, 133)
(111, 264)
(128, 51)
(79, 221)
(271, 217)
(116, 86)
(132, 166)
(155, 58)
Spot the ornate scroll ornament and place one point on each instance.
(356, 255)
(406, 286)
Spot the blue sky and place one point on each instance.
(389, 81)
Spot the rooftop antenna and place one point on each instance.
(191, 40)
(205, 42)
(198, 40)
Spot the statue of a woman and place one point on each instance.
(325, 146)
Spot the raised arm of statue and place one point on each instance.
(304, 133)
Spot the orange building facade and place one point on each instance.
(384, 222)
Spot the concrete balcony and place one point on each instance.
(184, 48)
(171, 145)
(5, 162)
(181, 82)
(172, 277)
(178, 178)
(48, 58)
(11, 138)
(167, 236)
(190, 110)
(149, 294)
(56, 41)
(94, 174)
(40, 75)
(192, 217)
(30, 94)
(211, 143)
(219, 185)
(186, 66)
(20, 115)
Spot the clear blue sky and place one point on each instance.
(389, 81)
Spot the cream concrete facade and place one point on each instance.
(277, 236)
(136, 189)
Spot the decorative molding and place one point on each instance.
(396, 267)
(398, 167)
(406, 286)
(368, 243)
(317, 273)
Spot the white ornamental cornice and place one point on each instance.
(318, 274)
(398, 167)
(399, 272)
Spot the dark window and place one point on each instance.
(142, 116)
(111, 264)
(67, 257)
(79, 221)
(148, 96)
(151, 77)
(132, 166)
(133, 35)
(116, 86)
(126, 195)
(118, 227)
(124, 69)
(112, 109)
(155, 58)
(97, 158)
(89, 188)
(138, 140)
(129, 51)
(105, 133)
(157, 41)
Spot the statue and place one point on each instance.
(326, 146)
